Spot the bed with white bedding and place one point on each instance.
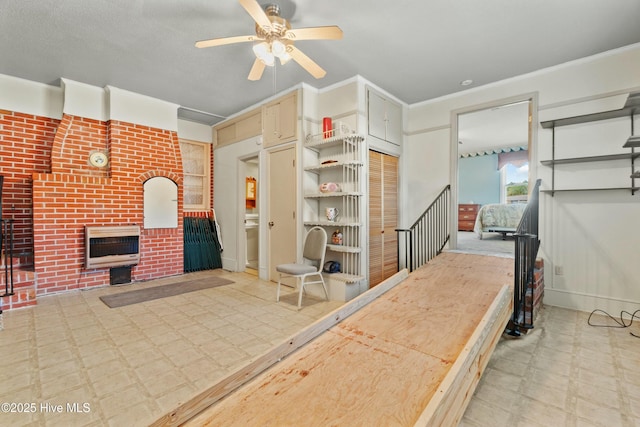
(499, 218)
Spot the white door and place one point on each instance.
(282, 209)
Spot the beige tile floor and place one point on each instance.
(131, 365)
(562, 373)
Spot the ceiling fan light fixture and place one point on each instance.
(278, 48)
(274, 38)
(284, 58)
(263, 53)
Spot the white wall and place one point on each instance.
(25, 96)
(592, 236)
(195, 131)
(81, 99)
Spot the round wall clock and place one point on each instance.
(98, 159)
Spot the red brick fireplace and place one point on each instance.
(76, 194)
(52, 192)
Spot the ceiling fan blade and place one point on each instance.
(226, 40)
(332, 32)
(254, 9)
(256, 70)
(305, 62)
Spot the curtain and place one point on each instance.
(516, 158)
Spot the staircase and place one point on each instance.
(17, 276)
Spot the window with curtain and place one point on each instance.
(197, 174)
(514, 169)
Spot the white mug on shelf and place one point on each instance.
(332, 214)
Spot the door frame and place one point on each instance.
(532, 98)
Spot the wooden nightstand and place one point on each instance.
(467, 216)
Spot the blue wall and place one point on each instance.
(479, 180)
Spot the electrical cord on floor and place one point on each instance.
(619, 323)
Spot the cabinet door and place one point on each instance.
(390, 215)
(377, 114)
(240, 128)
(270, 124)
(226, 135)
(385, 118)
(383, 217)
(376, 243)
(288, 118)
(394, 123)
(249, 126)
(280, 120)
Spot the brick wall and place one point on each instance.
(25, 148)
(76, 194)
(535, 293)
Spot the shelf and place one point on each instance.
(623, 156)
(343, 277)
(318, 142)
(633, 141)
(332, 224)
(319, 168)
(334, 194)
(344, 248)
(566, 190)
(631, 107)
(338, 159)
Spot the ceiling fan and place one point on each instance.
(274, 38)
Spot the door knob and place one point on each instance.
(270, 223)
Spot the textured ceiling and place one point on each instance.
(415, 49)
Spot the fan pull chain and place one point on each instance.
(275, 70)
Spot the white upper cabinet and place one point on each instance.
(384, 118)
(280, 120)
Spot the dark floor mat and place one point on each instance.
(164, 291)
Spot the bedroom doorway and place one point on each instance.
(492, 159)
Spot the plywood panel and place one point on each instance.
(412, 355)
(298, 393)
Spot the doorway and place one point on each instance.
(251, 215)
(282, 191)
(488, 142)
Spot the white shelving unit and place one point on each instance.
(337, 159)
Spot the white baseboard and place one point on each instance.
(588, 303)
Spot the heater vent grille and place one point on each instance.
(112, 246)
